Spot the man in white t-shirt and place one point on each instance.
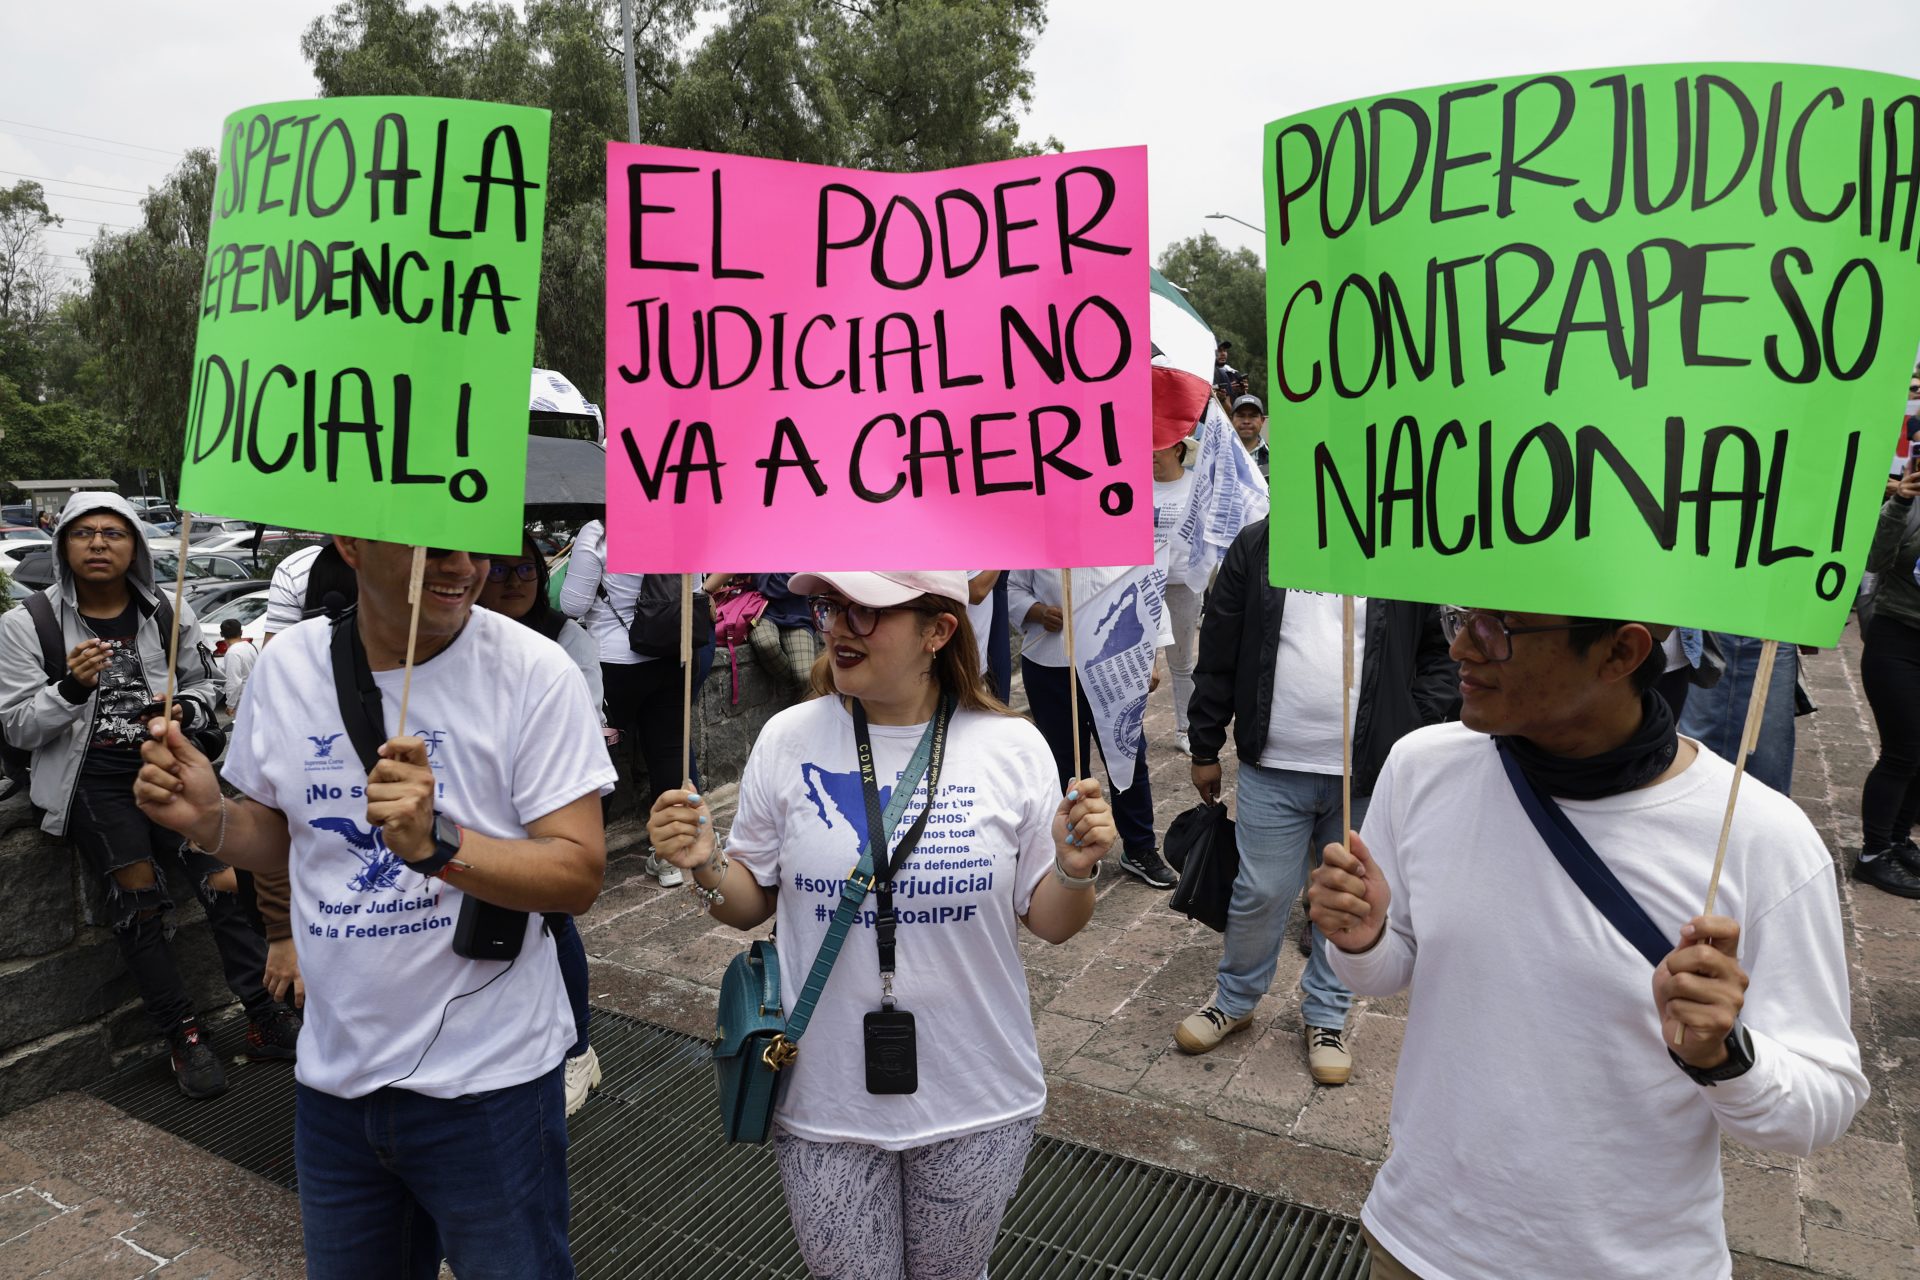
(236, 663)
(430, 1119)
(1561, 1099)
(1270, 663)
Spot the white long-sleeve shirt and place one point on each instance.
(1536, 1115)
(605, 617)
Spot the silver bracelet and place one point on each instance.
(712, 897)
(219, 843)
(1074, 882)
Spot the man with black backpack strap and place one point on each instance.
(430, 1119)
(1580, 1037)
(81, 665)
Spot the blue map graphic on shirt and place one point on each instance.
(841, 791)
(379, 867)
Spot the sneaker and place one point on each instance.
(1909, 853)
(665, 872)
(275, 1036)
(1888, 872)
(1327, 1056)
(1183, 744)
(583, 1077)
(195, 1069)
(1203, 1031)
(1149, 866)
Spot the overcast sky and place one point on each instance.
(1195, 82)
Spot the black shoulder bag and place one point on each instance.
(654, 629)
(364, 716)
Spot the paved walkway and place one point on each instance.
(86, 1192)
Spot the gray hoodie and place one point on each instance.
(33, 711)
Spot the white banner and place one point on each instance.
(1116, 632)
(1228, 495)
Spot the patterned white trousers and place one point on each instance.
(927, 1213)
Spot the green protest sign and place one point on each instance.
(367, 317)
(1624, 343)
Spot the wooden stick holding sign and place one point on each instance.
(414, 591)
(1346, 723)
(1073, 676)
(179, 593)
(1749, 738)
(686, 679)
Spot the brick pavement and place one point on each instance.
(1106, 1002)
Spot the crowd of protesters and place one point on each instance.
(436, 1066)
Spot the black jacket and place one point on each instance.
(1406, 678)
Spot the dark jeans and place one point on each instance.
(110, 833)
(1890, 670)
(392, 1182)
(643, 703)
(573, 972)
(1047, 699)
(999, 643)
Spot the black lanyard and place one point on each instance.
(884, 868)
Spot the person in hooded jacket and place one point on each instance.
(84, 728)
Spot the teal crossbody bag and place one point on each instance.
(756, 1044)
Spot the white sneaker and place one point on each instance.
(1182, 744)
(665, 872)
(583, 1077)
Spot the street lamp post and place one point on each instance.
(1242, 221)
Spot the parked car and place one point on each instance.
(250, 609)
(203, 564)
(208, 594)
(34, 570)
(19, 513)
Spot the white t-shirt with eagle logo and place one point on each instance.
(512, 737)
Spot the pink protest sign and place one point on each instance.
(815, 368)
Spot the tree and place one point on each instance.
(29, 289)
(142, 309)
(1229, 289)
(899, 84)
(54, 441)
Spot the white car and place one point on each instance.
(250, 609)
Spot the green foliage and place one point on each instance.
(61, 440)
(29, 293)
(141, 312)
(897, 84)
(1229, 289)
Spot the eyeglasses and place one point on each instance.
(526, 571)
(861, 618)
(85, 534)
(1492, 638)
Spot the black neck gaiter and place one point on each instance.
(1634, 763)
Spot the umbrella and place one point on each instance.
(565, 472)
(556, 400)
(1180, 337)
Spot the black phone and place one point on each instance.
(487, 932)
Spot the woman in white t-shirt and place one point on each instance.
(908, 1185)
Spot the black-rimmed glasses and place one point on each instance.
(1491, 636)
(861, 618)
(87, 533)
(526, 571)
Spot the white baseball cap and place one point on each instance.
(884, 590)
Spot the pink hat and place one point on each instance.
(883, 590)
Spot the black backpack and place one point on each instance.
(17, 762)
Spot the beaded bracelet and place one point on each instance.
(712, 897)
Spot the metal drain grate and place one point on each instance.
(658, 1196)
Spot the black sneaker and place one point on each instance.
(1909, 854)
(195, 1068)
(275, 1036)
(1889, 873)
(1149, 866)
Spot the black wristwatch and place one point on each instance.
(446, 846)
(1739, 1060)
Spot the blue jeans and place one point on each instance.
(1283, 820)
(391, 1181)
(1716, 716)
